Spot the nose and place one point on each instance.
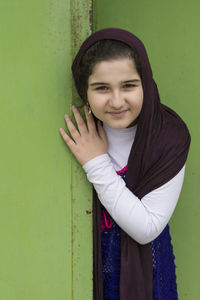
(116, 100)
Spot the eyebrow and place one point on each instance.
(104, 83)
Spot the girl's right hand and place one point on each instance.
(86, 142)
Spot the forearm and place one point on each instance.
(142, 219)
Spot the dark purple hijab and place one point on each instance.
(158, 153)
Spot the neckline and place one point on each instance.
(122, 131)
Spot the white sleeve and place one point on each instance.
(143, 219)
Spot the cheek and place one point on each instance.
(96, 101)
(137, 99)
(96, 107)
(140, 98)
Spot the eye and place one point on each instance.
(101, 88)
(128, 85)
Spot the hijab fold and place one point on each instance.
(158, 153)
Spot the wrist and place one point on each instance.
(97, 160)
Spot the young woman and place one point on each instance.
(133, 150)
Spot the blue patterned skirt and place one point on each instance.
(164, 278)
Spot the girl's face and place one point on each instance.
(115, 92)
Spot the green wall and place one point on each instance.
(45, 203)
(170, 32)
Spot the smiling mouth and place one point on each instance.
(118, 113)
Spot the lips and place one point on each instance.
(118, 113)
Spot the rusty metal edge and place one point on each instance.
(82, 284)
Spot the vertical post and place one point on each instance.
(82, 258)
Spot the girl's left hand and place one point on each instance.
(86, 143)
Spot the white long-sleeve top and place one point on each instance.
(142, 219)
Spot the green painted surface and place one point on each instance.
(170, 32)
(39, 247)
(81, 189)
